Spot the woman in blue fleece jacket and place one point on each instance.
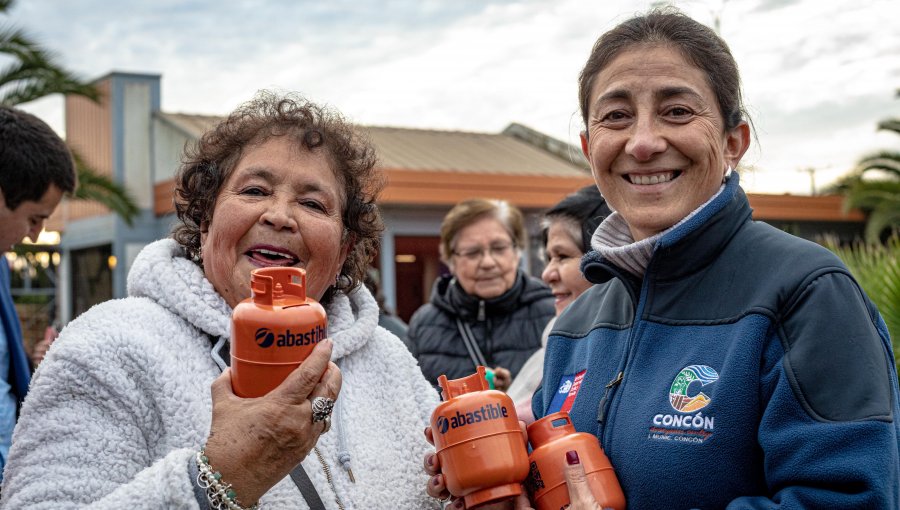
(721, 362)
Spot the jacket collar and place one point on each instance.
(691, 246)
(450, 297)
(162, 273)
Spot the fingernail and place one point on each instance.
(572, 458)
(430, 460)
(435, 480)
(459, 503)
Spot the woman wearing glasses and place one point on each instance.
(487, 311)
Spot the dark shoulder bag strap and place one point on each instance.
(302, 481)
(221, 354)
(471, 345)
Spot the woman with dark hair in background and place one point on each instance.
(567, 228)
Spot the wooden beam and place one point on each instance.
(802, 208)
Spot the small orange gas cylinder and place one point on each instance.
(274, 330)
(479, 441)
(551, 437)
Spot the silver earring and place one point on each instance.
(336, 278)
(727, 174)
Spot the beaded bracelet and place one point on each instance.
(219, 494)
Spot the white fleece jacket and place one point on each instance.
(122, 401)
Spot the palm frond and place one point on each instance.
(25, 91)
(881, 219)
(885, 161)
(16, 43)
(864, 193)
(34, 73)
(873, 186)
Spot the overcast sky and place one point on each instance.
(818, 74)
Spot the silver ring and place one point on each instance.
(327, 421)
(321, 409)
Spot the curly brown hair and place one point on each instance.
(207, 164)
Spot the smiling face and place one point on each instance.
(563, 270)
(655, 138)
(484, 258)
(26, 220)
(281, 206)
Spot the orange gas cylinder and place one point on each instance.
(479, 441)
(551, 437)
(274, 330)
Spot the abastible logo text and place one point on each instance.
(485, 413)
(265, 337)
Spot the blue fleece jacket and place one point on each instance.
(19, 367)
(746, 370)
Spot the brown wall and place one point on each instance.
(414, 187)
(89, 134)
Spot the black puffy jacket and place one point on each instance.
(507, 328)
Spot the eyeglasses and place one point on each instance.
(474, 255)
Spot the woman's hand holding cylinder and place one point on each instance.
(255, 442)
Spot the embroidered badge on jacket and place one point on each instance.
(689, 393)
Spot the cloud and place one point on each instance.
(771, 5)
(811, 68)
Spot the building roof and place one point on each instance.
(191, 125)
(434, 167)
(465, 152)
(429, 150)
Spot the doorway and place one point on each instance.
(417, 266)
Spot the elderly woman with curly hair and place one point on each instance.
(133, 406)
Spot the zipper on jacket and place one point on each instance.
(610, 392)
(481, 314)
(601, 409)
(328, 477)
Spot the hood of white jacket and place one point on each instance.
(162, 273)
